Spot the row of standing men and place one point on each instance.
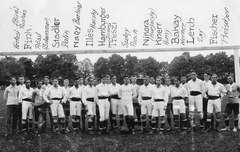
(131, 103)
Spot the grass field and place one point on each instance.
(169, 142)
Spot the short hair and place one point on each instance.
(12, 77)
(55, 78)
(183, 75)
(159, 77)
(125, 76)
(89, 78)
(207, 73)
(66, 80)
(46, 77)
(103, 76)
(27, 79)
(230, 76)
(107, 76)
(112, 76)
(39, 81)
(191, 71)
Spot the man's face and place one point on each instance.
(134, 80)
(46, 81)
(183, 79)
(206, 77)
(90, 81)
(126, 80)
(39, 85)
(158, 81)
(108, 80)
(13, 81)
(28, 83)
(65, 83)
(194, 75)
(81, 81)
(152, 80)
(114, 79)
(214, 78)
(230, 80)
(168, 82)
(55, 82)
(21, 80)
(146, 80)
(176, 82)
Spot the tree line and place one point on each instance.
(68, 66)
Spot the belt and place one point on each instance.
(90, 99)
(75, 99)
(115, 96)
(177, 98)
(27, 99)
(213, 97)
(158, 100)
(102, 97)
(195, 93)
(146, 98)
(56, 98)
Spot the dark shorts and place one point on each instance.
(66, 108)
(169, 108)
(232, 107)
(136, 105)
(205, 103)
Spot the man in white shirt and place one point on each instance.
(137, 107)
(74, 96)
(11, 94)
(55, 94)
(196, 93)
(45, 86)
(233, 91)
(160, 97)
(206, 81)
(66, 104)
(215, 92)
(185, 85)
(89, 99)
(179, 96)
(25, 97)
(103, 104)
(115, 104)
(127, 93)
(21, 85)
(83, 110)
(145, 100)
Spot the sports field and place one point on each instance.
(169, 142)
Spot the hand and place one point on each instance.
(165, 107)
(50, 102)
(61, 102)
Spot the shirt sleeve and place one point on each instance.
(5, 93)
(20, 96)
(84, 96)
(46, 94)
(165, 96)
(134, 92)
(120, 92)
(223, 90)
(140, 96)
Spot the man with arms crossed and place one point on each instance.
(232, 106)
(11, 95)
(127, 93)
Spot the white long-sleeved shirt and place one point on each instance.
(53, 92)
(178, 92)
(113, 89)
(215, 90)
(102, 90)
(73, 92)
(11, 93)
(25, 93)
(88, 92)
(169, 93)
(145, 91)
(127, 93)
(160, 93)
(196, 85)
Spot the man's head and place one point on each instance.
(168, 81)
(39, 84)
(27, 83)
(194, 75)
(46, 80)
(90, 81)
(66, 82)
(206, 76)
(134, 79)
(183, 78)
(103, 79)
(214, 78)
(125, 80)
(108, 81)
(113, 79)
(21, 79)
(81, 80)
(230, 79)
(55, 81)
(159, 80)
(176, 81)
(146, 80)
(152, 80)
(13, 80)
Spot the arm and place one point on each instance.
(120, 93)
(134, 92)
(165, 97)
(46, 94)
(5, 95)
(33, 96)
(20, 96)
(223, 91)
(140, 96)
(84, 96)
(203, 88)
